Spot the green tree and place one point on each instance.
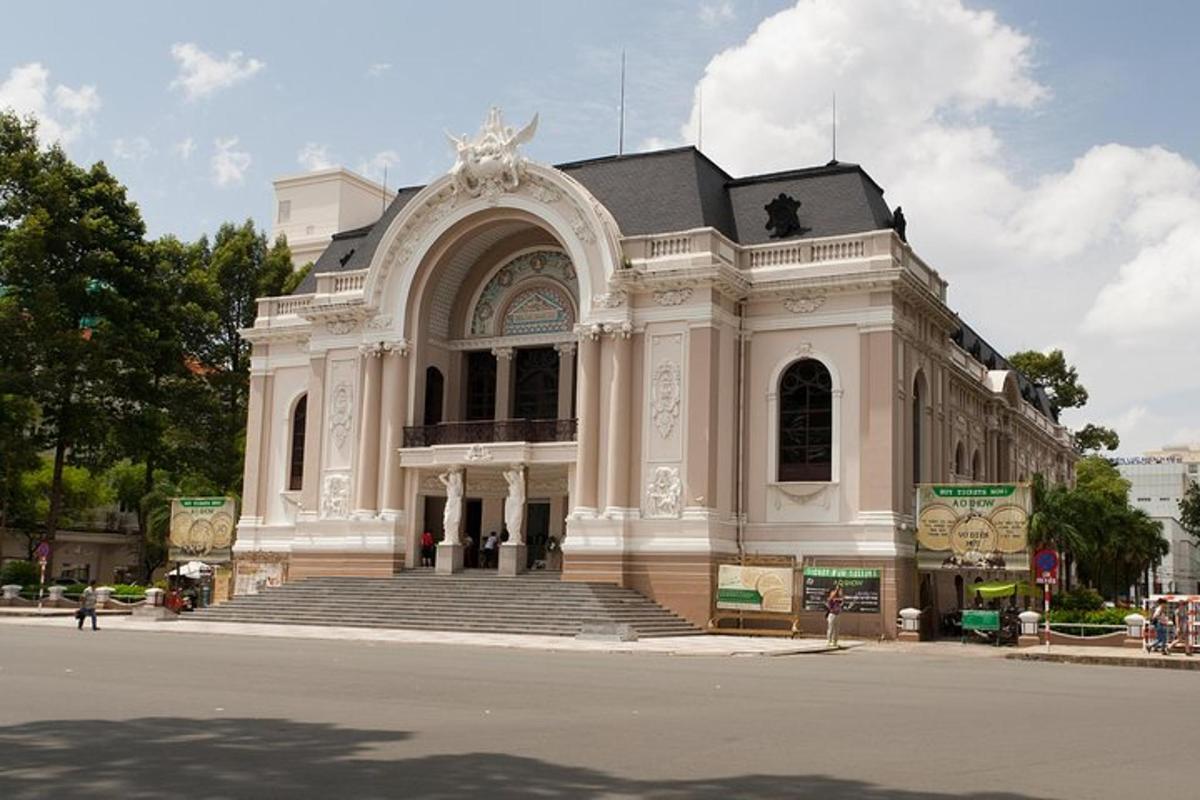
(1189, 509)
(238, 268)
(1061, 382)
(71, 261)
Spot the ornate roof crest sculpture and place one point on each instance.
(490, 164)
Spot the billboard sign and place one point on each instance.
(202, 529)
(975, 525)
(860, 588)
(749, 588)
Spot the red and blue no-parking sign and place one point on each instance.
(1045, 565)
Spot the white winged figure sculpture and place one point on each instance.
(490, 164)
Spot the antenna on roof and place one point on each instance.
(834, 123)
(383, 195)
(621, 123)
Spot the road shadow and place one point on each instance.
(207, 759)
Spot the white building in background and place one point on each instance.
(1158, 481)
(311, 207)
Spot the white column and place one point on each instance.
(587, 464)
(366, 471)
(393, 399)
(504, 358)
(566, 377)
(617, 460)
(309, 489)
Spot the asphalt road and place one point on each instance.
(133, 715)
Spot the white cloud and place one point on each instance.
(1103, 254)
(201, 74)
(717, 12)
(314, 156)
(62, 113)
(184, 148)
(229, 165)
(376, 70)
(373, 167)
(137, 148)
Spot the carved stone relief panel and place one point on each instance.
(335, 496)
(664, 494)
(663, 431)
(340, 414)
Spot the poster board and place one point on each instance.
(983, 526)
(860, 588)
(755, 595)
(202, 529)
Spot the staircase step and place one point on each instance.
(534, 603)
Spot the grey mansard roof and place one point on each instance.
(675, 190)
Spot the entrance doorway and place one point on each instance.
(537, 531)
(472, 531)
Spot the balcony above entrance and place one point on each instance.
(480, 431)
(546, 441)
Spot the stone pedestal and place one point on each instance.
(513, 558)
(449, 559)
(1030, 636)
(910, 625)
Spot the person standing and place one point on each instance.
(87, 605)
(426, 549)
(833, 609)
(1162, 626)
(489, 550)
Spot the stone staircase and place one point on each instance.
(535, 603)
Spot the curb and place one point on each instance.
(1162, 662)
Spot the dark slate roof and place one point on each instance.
(835, 199)
(1034, 394)
(674, 190)
(660, 191)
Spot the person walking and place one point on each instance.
(426, 549)
(1162, 626)
(833, 609)
(87, 605)
(489, 550)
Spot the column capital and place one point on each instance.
(503, 352)
(565, 349)
(384, 347)
(589, 333)
(619, 330)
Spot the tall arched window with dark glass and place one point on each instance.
(296, 462)
(806, 422)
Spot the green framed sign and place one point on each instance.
(977, 620)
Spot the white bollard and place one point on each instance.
(103, 595)
(55, 593)
(1029, 622)
(910, 620)
(12, 591)
(1133, 625)
(154, 597)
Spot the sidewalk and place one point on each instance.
(1062, 654)
(716, 645)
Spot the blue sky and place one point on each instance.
(1034, 149)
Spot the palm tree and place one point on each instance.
(1052, 524)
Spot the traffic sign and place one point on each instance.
(1045, 565)
(42, 551)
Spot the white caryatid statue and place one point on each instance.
(514, 505)
(452, 515)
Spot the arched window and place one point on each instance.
(296, 462)
(918, 428)
(976, 466)
(433, 395)
(960, 460)
(806, 422)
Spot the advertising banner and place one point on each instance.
(742, 588)
(860, 588)
(202, 529)
(968, 525)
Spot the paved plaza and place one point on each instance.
(126, 713)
